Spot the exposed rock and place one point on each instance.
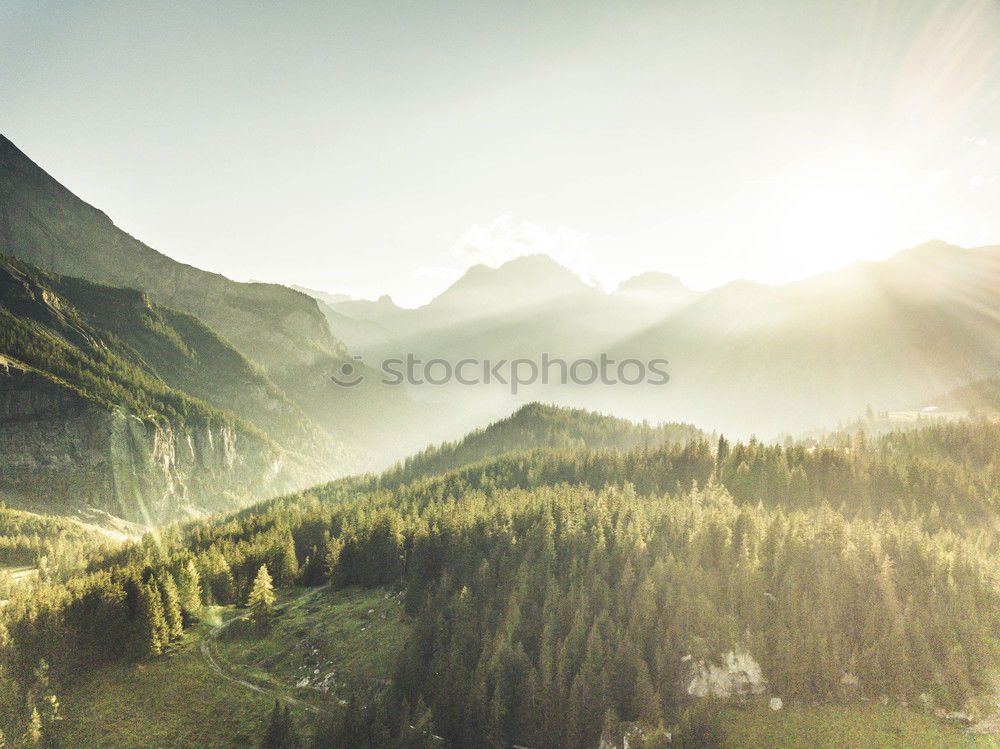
(60, 445)
(775, 703)
(627, 731)
(738, 675)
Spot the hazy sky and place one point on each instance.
(374, 147)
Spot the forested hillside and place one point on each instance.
(538, 425)
(280, 330)
(109, 401)
(562, 594)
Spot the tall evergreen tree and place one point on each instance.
(189, 591)
(280, 732)
(149, 629)
(261, 598)
(171, 607)
(33, 733)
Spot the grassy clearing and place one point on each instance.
(178, 701)
(173, 701)
(859, 726)
(323, 648)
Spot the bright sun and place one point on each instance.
(830, 212)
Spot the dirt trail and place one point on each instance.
(213, 662)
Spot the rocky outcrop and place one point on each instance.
(61, 451)
(738, 675)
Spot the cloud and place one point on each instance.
(504, 239)
(981, 142)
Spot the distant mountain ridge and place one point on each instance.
(743, 357)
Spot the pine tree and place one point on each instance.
(33, 733)
(221, 587)
(39, 682)
(332, 557)
(286, 565)
(645, 703)
(50, 712)
(280, 733)
(171, 608)
(189, 591)
(150, 628)
(261, 599)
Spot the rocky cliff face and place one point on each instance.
(63, 452)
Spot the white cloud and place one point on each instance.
(982, 142)
(504, 239)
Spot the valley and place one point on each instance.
(206, 541)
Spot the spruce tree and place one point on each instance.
(171, 608)
(189, 591)
(33, 733)
(331, 557)
(261, 599)
(150, 632)
(280, 732)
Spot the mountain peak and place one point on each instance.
(538, 265)
(523, 281)
(934, 249)
(652, 281)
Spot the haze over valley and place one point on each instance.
(506, 375)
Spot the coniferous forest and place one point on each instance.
(559, 595)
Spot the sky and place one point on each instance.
(383, 147)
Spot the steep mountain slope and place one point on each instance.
(187, 355)
(44, 223)
(278, 328)
(99, 406)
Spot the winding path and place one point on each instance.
(213, 662)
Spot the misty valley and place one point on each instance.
(221, 525)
